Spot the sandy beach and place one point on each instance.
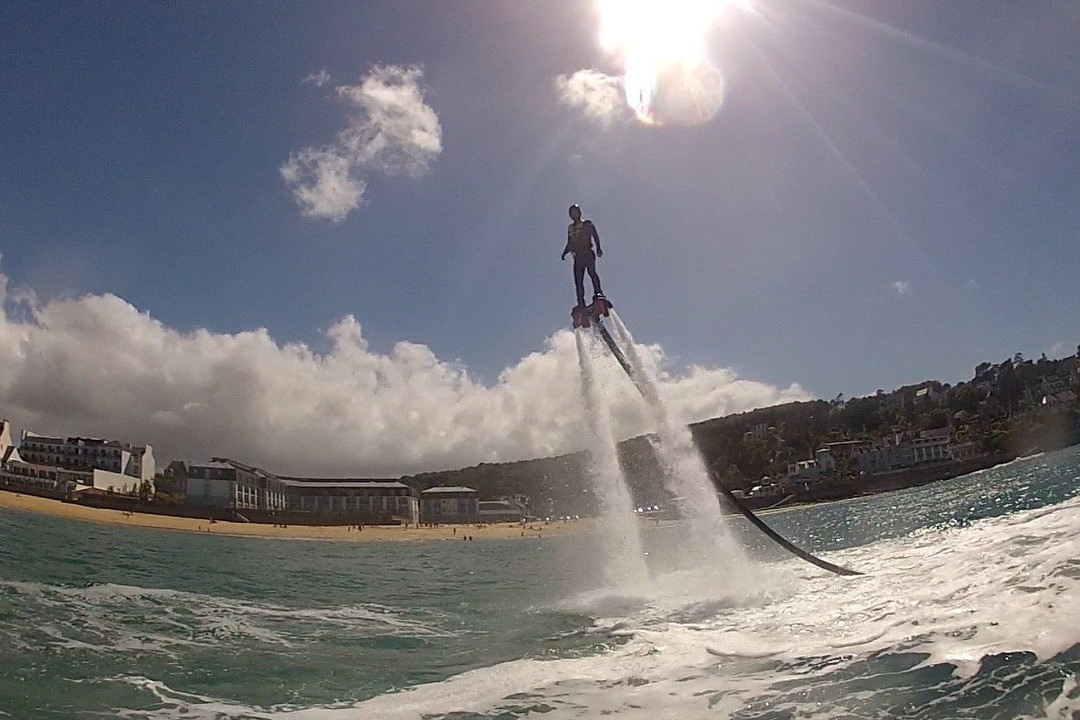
(369, 533)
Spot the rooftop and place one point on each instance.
(498, 504)
(314, 480)
(344, 483)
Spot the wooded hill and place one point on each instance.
(1002, 409)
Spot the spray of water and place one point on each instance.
(620, 532)
(685, 475)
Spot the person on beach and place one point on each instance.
(580, 236)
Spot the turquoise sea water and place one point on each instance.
(970, 608)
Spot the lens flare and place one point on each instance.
(667, 73)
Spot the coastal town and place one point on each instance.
(919, 433)
(113, 474)
(795, 453)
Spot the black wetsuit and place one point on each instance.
(579, 241)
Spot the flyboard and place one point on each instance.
(585, 316)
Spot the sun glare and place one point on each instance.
(667, 73)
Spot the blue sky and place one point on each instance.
(886, 193)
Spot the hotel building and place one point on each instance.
(74, 464)
(449, 505)
(225, 483)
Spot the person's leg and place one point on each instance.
(579, 278)
(590, 265)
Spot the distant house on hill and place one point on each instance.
(929, 394)
(1059, 402)
(1052, 385)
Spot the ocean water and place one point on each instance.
(970, 608)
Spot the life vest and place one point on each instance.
(579, 237)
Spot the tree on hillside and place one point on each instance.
(962, 397)
(934, 420)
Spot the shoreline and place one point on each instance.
(23, 502)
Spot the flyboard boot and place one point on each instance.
(581, 316)
(600, 305)
(584, 315)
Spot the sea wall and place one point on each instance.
(899, 479)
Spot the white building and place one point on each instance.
(88, 454)
(802, 471)
(904, 450)
(5, 437)
(17, 472)
(226, 483)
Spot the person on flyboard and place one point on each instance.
(580, 236)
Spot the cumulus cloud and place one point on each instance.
(597, 95)
(902, 287)
(392, 131)
(95, 365)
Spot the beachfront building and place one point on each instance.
(449, 505)
(226, 483)
(177, 470)
(222, 484)
(73, 465)
(496, 511)
(5, 437)
(83, 454)
(803, 471)
(15, 472)
(905, 450)
(766, 490)
(844, 449)
(802, 476)
(376, 499)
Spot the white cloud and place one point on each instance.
(393, 131)
(97, 366)
(599, 96)
(324, 183)
(317, 79)
(902, 287)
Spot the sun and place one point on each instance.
(657, 31)
(663, 42)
